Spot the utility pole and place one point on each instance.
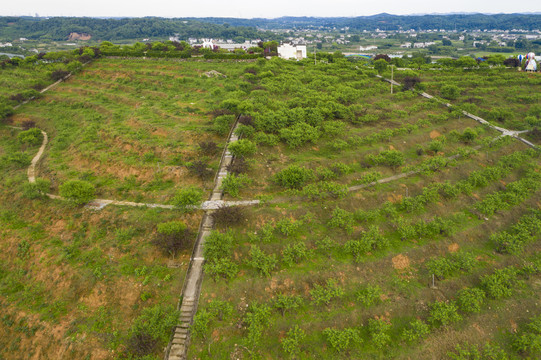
(315, 50)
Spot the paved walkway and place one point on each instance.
(178, 347)
(505, 132)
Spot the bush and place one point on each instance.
(172, 237)
(229, 215)
(199, 169)
(295, 253)
(232, 183)
(379, 332)
(471, 352)
(392, 158)
(294, 177)
(292, 342)
(323, 189)
(417, 330)
(242, 148)
(36, 190)
(141, 344)
(470, 299)
(262, 262)
(528, 341)
(28, 124)
(499, 284)
(369, 295)
(443, 313)
(77, 191)
(238, 166)
(342, 219)
(298, 134)
(31, 136)
(450, 92)
(222, 124)
(208, 148)
(286, 303)
(59, 74)
(324, 294)
(188, 197)
(341, 340)
(257, 319)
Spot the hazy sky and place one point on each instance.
(251, 8)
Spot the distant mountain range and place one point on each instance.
(60, 28)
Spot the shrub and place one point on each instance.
(172, 236)
(369, 295)
(472, 352)
(379, 332)
(341, 340)
(200, 326)
(295, 253)
(141, 344)
(28, 124)
(286, 303)
(450, 92)
(238, 166)
(323, 189)
(266, 139)
(229, 215)
(36, 190)
(324, 294)
(224, 268)
(199, 169)
(292, 342)
(77, 191)
(470, 299)
(417, 329)
(59, 74)
(257, 319)
(294, 177)
(410, 82)
(499, 284)
(232, 183)
(262, 262)
(528, 341)
(222, 124)
(188, 197)
(443, 313)
(208, 148)
(298, 134)
(242, 147)
(392, 158)
(342, 219)
(468, 135)
(31, 136)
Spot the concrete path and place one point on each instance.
(505, 132)
(178, 346)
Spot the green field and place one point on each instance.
(444, 252)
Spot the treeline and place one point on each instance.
(59, 28)
(395, 22)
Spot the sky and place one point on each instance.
(254, 8)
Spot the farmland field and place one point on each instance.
(439, 257)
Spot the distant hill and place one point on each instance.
(60, 28)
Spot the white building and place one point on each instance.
(368, 48)
(288, 51)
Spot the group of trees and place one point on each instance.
(59, 28)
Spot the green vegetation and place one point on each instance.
(330, 264)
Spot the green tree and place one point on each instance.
(77, 191)
(187, 198)
(380, 65)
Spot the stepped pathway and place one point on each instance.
(505, 132)
(191, 290)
